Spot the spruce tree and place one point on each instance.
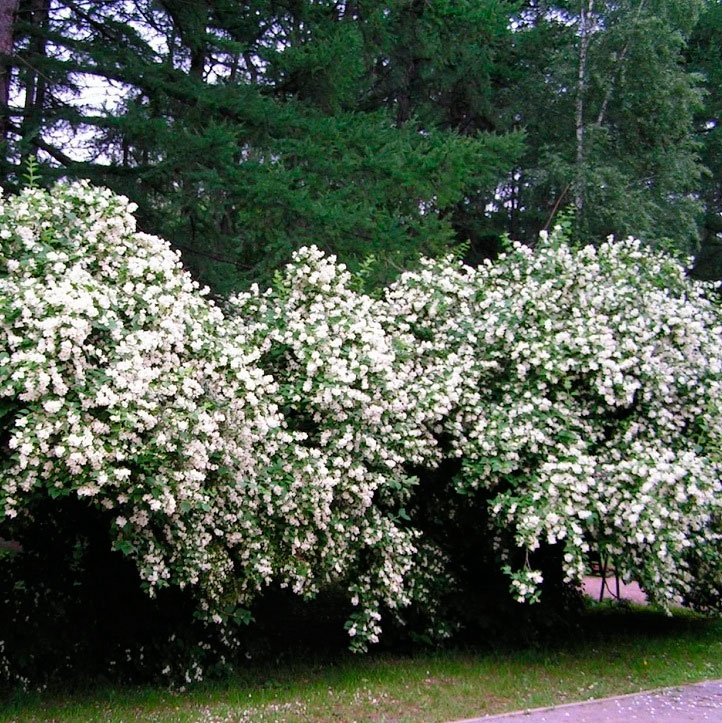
(244, 131)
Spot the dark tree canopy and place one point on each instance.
(371, 128)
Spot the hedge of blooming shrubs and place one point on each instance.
(280, 442)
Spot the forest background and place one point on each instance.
(384, 129)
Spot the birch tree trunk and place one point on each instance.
(585, 25)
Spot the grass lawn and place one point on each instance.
(616, 651)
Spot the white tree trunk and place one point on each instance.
(585, 25)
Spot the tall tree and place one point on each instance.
(705, 57)
(608, 106)
(385, 127)
(246, 130)
(586, 27)
(8, 8)
(445, 63)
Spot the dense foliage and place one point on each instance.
(399, 128)
(284, 441)
(586, 402)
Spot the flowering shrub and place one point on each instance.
(123, 386)
(278, 443)
(588, 406)
(120, 387)
(348, 389)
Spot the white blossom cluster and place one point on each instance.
(124, 389)
(589, 403)
(276, 443)
(348, 388)
(122, 385)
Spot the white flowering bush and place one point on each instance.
(348, 389)
(123, 387)
(119, 387)
(280, 442)
(589, 406)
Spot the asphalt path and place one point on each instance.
(695, 702)
(679, 704)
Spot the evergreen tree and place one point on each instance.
(385, 128)
(245, 131)
(705, 57)
(8, 8)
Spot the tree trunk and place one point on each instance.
(8, 8)
(35, 85)
(190, 18)
(584, 32)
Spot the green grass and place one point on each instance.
(615, 652)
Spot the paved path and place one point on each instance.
(696, 702)
(627, 591)
(681, 704)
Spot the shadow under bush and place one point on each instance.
(479, 605)
(72, 609)
(73, 612)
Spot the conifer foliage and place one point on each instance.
(398, 128)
